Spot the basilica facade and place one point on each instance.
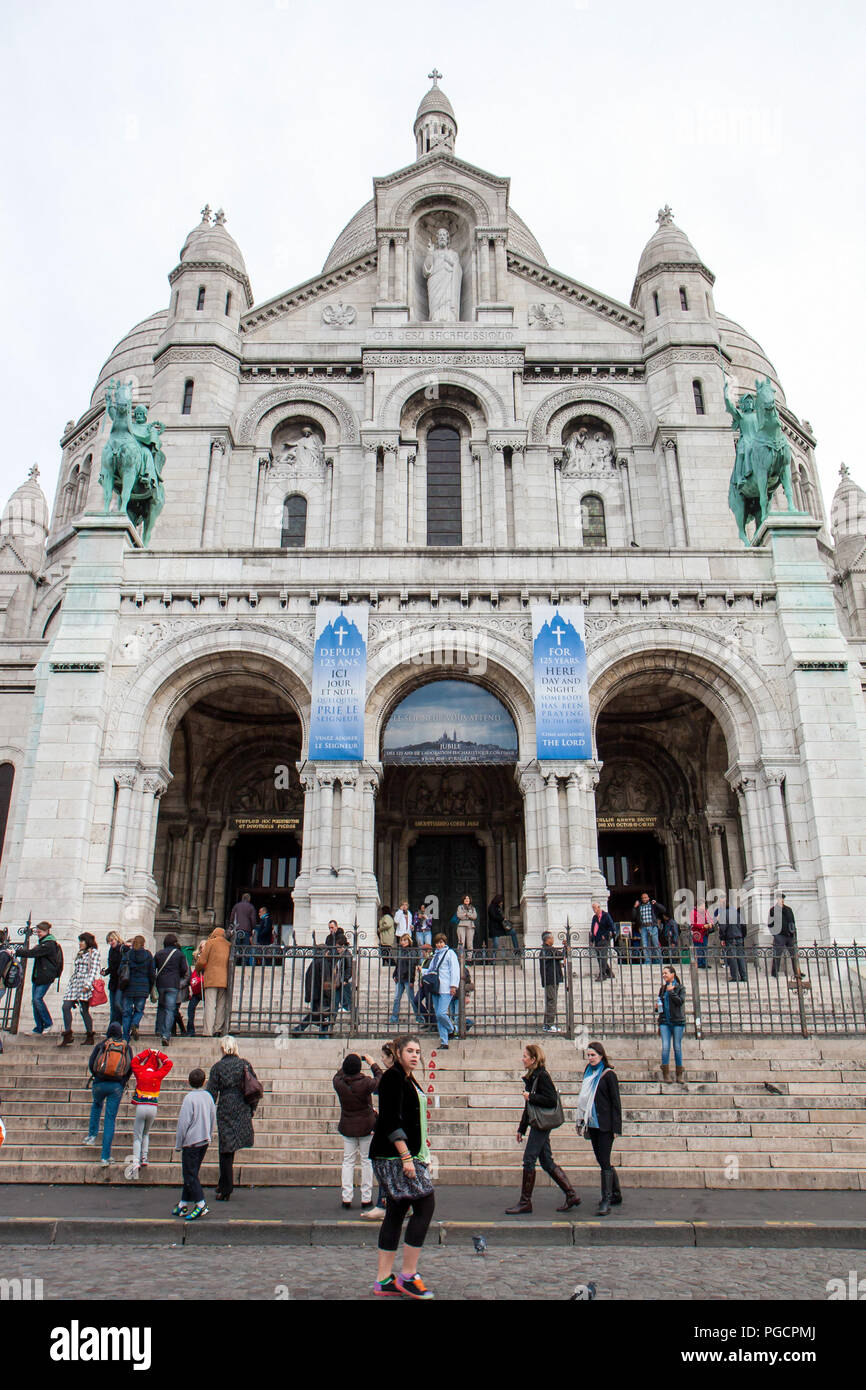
(442, 427)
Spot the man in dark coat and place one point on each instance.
(550, 970)
(784, 929)
(242, 919)
(47, 959)
(318, 989)
(732, 934)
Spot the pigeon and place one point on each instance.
(480, 1245)
(584, 1293)
(774, 1090)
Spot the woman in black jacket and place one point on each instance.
(400, 1161)
(234, 1112)
(672, 1021)
(116, 949)
(599, 1119)
(171, 969)
(141, 981)
(538, 1089)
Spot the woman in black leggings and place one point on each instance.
(599, 1119)
(400, 1161)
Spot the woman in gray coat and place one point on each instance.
(234, 1114)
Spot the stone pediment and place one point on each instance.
(334, 282)
(555, 288)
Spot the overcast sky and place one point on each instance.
(120, 122)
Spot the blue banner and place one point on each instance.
(562, 724)
(339, 683)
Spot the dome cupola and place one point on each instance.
(435, 123)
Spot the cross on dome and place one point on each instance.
(434, 76)
(205, 213)
(665, 216)
(219, 218)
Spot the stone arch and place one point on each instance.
(337, 417)
(177, 674)
(720, 679)
(506, 675)
(491, 401)
(427, 192)
(627, 422)
(469, 416)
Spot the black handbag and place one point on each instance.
(544, 1117)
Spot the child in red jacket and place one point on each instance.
(150, 1069)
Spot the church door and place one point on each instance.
(447, 867)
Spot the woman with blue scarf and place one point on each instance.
(599, 1119)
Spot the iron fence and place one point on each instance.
(352, 991)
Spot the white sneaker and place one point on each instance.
(105, 1162)
(89, 1139)
(374, 1214)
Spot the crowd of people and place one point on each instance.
(484, 935)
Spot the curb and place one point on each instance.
(453, 1235)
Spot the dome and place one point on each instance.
(435, 103)
(359, 237)
(669, 245)
(25, 516)
(848, 509)
(748, 359)
(133, 356)
(210, 241)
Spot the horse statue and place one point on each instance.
(763, 459)
(132, 461)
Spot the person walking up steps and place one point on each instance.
(110, 1066)
(542, 1112)
(442, 973)
(195, 1127)
(150, 1069)
(599, 1119)
(85, 971)
(400, 1161)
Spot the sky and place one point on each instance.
(121, 122)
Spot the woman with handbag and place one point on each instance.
(400, 1158)
(599, 1119)
(229, 1084)
(79, 990)
(172, 972)
(542, 1112)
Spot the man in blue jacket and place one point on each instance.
(443, 974)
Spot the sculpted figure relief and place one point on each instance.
(306, 454)
(444, 280)
(586, 452)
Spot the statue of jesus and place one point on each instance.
(444, 278)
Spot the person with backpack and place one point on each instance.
(150, 1069)
(110, 1065)
(228, 1083)
(443, 976)
(136, 968)
(540, 1105)
(195, 1127)
(599, 1119)
(171, 973)
(357, 1122)
(85, 971)
(47, 957)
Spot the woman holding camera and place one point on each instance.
(539, 1095)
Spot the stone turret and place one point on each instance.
(435, 123)
(848, 520)
(23, 529)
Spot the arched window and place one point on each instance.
(83, 484)
(186, 408)
(228, 303)
(200, 302)
(444, 504)
(698, 390)
(656, 303)
(592, 520)
(294, 532)
(70, 495)
(684, 299)
(7, 777)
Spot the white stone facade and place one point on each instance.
(141, 686)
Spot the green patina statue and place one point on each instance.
(763, 459)
(132, 460)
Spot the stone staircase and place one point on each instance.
(723, 1128)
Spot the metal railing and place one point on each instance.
(351, 992)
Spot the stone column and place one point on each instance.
(753, 818)
(773, 779)
(501, 269)
(368, 500)
(483, 247)
(744, 826)
(125, 782)
(716, 833)
(384, 268)
(324, 845)
(530, 784)
(152, 789)
(348, 815)
(553, 835)
(557, 495)
(673, 475)
(625, 484)
(369, 788)
(369, 383)
(392, 529)
(411, 485)
(500, 515)
(518, 486)
(308, 829)
(731, 830)
(420, 494)
(518, 394)
(400, 246)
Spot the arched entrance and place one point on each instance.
(231, 820)
(667, 818)
(450, 817)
